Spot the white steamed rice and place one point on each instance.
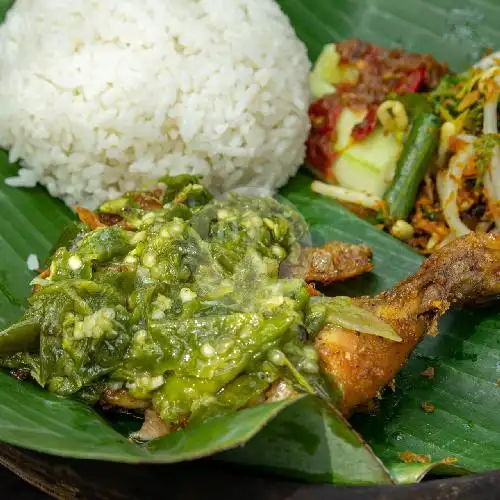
(98, 97)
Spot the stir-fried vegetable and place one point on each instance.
(432, 154)
(471, 180)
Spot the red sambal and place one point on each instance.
(379, 72)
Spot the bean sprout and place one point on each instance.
(348, 195)
(447, 183)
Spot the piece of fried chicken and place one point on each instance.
(334, 261)
(464, 271)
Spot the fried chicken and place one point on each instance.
(464, 271)
(333, 261)
(123, 399)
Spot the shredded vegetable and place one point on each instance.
(430, 167)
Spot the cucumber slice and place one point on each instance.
(327, 64)
(328, 71)
(347, 120)
(319, 87)
(366, 166)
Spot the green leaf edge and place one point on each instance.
(272, 410)
(133, 453)
(414, 473)
(336, 433)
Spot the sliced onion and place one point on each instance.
(490, 121)
(429, 187)
(348, 195)
(447, 183)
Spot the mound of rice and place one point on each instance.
(98, 97)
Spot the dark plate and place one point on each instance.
(454, 30)
(69, 479)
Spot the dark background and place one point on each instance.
(15, 488)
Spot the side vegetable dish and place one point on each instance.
(405, 143)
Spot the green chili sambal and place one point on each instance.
(176, 304)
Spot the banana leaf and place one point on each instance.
(299, 438)
(456, 31)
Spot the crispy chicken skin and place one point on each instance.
(464, 271)
(333, 261)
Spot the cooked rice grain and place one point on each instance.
(98, 97)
